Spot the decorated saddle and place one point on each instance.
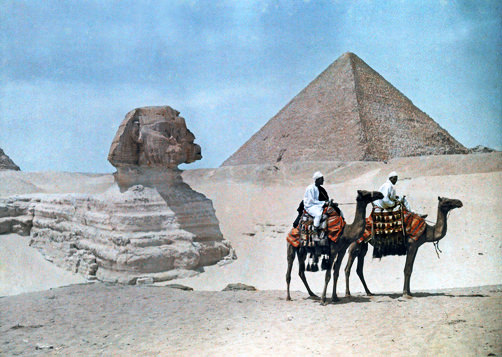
(332, 223)
(388, 231)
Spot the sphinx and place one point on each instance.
(149, 226)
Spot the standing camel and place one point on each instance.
(351, 232)
(431, 234)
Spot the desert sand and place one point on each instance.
(456, 309)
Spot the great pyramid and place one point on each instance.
(348, 113)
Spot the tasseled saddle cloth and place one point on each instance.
(334, 227)
(386, 223)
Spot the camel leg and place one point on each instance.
(360, 265)
(291, 252)
(302, 255)
(327, 277)
(353, 252)
(408, 269)
(336, 271)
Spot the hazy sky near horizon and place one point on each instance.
(71, 70)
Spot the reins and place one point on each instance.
(436, 243)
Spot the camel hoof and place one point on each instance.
(288, 298)
(335, 299)
(313, 297)
(348, 295)
(407, 296)
(369, 293)
(324, 303)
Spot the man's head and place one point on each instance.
(153, 137)
(318, 178)
(393, 177)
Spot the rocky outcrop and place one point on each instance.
(6, 163)
(150, 226)
(480, 149)
(348, 113)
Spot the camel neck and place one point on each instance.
(441, 224)
(360, 216)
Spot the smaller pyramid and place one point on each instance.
(348, 113)
(6, 163)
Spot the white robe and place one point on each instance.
(389, 197)
(312, 204)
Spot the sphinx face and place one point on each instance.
(154, 137)
(166, 144)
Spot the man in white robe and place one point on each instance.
(315, 197)
(390, 199)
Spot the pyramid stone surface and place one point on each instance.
(6, 163)
(348, 113)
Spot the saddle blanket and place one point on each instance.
(414, 226)
(334, 228)
(293, 237)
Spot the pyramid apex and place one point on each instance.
(349, 55)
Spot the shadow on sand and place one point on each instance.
(428, 294)
(394, 296)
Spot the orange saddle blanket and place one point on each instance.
(413, 223)
(335, 225)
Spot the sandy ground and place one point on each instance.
(256, 206)
(97, 319)
(23, 269)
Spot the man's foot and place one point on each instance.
(423, 215)
(317, 236)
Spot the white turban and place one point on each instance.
(317, 174)
(392, 174)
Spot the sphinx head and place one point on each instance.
(153, 137)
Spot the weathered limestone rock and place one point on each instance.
(239, 286)
(150, 227)
(6, 163)
(153, 137)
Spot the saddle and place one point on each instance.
(389, 231)
(331, 225)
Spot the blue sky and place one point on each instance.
(71, 70)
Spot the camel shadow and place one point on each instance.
(427, 294)
(345, 300)
(394, 296)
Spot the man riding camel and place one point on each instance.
(390, 199)
(315, 199)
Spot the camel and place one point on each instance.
(350, 233)
(431, 234)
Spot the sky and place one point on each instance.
(71, 70)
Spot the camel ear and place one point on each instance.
(439, 198)
(359, 192)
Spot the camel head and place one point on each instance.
(368, 196)
(449, 203)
